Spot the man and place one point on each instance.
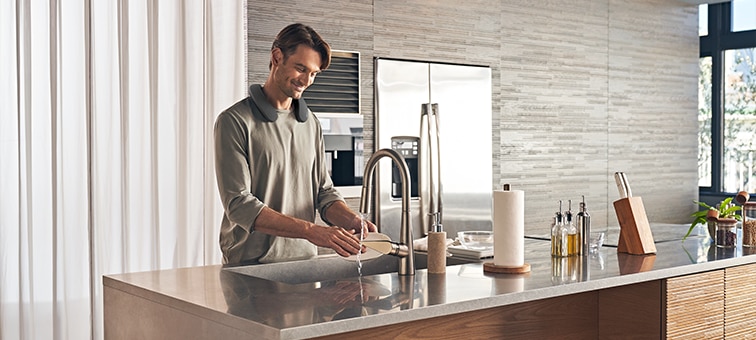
(270, 165)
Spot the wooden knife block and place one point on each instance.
(635, 232)
(631, 264)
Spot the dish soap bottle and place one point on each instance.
(436, 246)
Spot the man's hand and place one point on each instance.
(362, 226)
(344, 239)
(340, 215)
(344, 242)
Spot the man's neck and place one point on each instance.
(283, 103)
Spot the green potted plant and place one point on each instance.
(710, 215)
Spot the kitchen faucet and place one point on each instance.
(406, 262)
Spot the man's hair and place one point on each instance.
(298, 34)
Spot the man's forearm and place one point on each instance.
(339, 214)
(275, 223)
(343, 241)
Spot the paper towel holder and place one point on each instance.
(491, 267)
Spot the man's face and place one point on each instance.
(297, 72)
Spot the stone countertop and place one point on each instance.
(274, 309)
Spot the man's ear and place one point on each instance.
(276, 56)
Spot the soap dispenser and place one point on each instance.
(436, 246)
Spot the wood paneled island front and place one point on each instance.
(687, 289)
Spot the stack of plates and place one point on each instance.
(471, 253)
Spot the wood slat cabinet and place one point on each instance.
(739, 307)
(712, 305)
(695, 306)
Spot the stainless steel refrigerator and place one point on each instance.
(463, 97)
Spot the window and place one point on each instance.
(743, 15)
(739, 120)
(704, 122)
(727, 98)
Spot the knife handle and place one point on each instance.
(620, 185)
(625, 182)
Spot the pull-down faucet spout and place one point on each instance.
(406, 263)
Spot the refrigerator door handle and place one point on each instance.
(424, 165)
(436, 178)
(430, 169)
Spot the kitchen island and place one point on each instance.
(682, 290)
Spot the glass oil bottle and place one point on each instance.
(556, 234)
(573, 239)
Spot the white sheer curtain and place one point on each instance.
(106, 161)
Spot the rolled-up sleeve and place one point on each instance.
(232, 171)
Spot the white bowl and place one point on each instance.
(476, 239)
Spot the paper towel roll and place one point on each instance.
(509, 227)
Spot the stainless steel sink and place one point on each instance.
(329, 268)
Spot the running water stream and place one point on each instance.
(363, 227)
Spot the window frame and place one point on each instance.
(719, 39)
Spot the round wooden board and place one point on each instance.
(492, 268)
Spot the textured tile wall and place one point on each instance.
(653, 103)
(553, 106)
(581, 88)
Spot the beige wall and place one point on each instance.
(581, 88)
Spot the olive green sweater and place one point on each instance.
(279, 164)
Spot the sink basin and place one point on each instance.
(330, 267)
